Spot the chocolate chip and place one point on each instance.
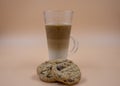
(50, 68)
(43, 72)
(65, 80)
(49, 76)
(70, 80)
(60, 67)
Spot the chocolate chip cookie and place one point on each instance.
(45, 73)
(66, 71)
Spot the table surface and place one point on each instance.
(98, 60)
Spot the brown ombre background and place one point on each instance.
(23, 46)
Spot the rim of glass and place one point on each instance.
(61, 11)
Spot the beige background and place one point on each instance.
(96, 25)
(95, 15)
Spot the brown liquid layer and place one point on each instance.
(58, 36)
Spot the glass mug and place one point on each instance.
(58, 28)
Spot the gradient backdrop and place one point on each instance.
(96, 25)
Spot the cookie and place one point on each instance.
(58, 61)
(66, 71)
(44, 72)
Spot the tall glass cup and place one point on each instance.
(58, 28)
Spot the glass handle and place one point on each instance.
(75, 46)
